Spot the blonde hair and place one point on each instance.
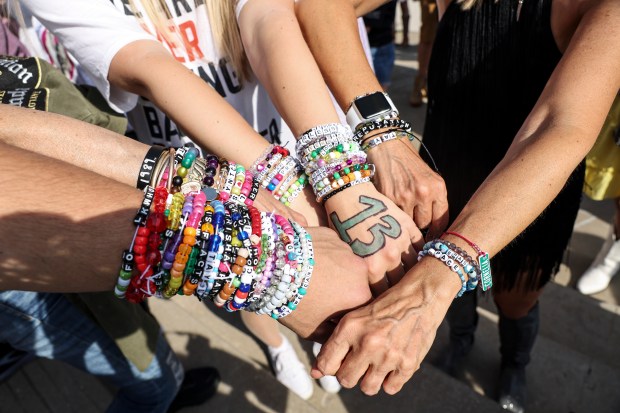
(467, 4)
(226, 35)
(224, 27)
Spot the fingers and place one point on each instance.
(352, 370)
(297, 217)
(373, 379)
(331, 356)
(266, 202)
(422, 215)
(416, 237)
(395, 381)
(315, 373)
(441, 218)
(378, 264)
(409, 258)
(287, 212)
(390, 265)
(379, 287)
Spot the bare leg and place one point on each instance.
(266, 329)
(516, 303)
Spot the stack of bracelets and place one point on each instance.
(383, 124)
(332, 160)
(280, 174)
(197, 233)
(375, 120)
(470, 271)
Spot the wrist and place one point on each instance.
(370, 107)
(332, 160)
(426, 284)
(483, 260)
(387, 148)
(352, 193)
(149, 165)
(431, 278)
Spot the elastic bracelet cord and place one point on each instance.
(253, 169)
(486, 278)
(337, 191)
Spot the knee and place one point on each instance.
(515, 305)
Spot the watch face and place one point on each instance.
(373, 105)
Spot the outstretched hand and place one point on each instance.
(384, 343)
(406, 179)
(339, 284)
(377, 230)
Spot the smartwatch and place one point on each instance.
(370, 107)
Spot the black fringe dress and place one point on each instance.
(486, 72)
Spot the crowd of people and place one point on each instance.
(271, 172)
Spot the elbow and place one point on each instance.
(131, 68)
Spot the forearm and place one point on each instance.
(330, 25)
(79, 143)
(513, 195)
(556, 136)
(284, 65)
(363, 7)
(198, 109)
(64, 221)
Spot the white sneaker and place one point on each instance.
(602, 270)
(290, 371)
(329, 383)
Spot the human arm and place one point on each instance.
(79, 143)
(92, 148)
(281, 60)
(192, 104)
(330, 30)
(125, 61)
(66, 228)
(196, 107)
(554, 138)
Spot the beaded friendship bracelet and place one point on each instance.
(197, 235)
(484, 262)
(325, 152)
(458, 260)
(279, 173)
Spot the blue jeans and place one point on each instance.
(383, 58)
(50, 326)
